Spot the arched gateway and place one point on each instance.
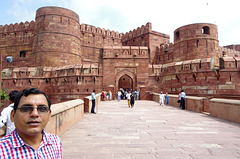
(125, 79)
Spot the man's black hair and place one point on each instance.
(27, 92)
(13, 95)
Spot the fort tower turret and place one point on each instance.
(57, 39)
(196, 41)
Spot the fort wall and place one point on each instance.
(94, 39)
(144, 36)
(197, 78)
(16, 41)
(62, 83)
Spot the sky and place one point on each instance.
(125, 15)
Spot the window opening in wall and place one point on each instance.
(177, 35)
(230, 78)
(149, 55)
(87, 90)
(197, 43)
(9, 59)
(206, 30)
(205, 78)
(23, 53)
(177, 78)
(194, 77)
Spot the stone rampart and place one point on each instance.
(61, 83)
(63, 116)
(224, 51)
(99, 31)
(17, 27)
(196, 77)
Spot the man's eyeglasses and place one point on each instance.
(28, 109)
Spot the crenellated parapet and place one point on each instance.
(137, 32)
(84, 28)
(125, 52)
(229, 52)
(51, 72)
(17, 27)
(196, 65)
(166, 48)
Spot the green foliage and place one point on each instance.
(4, 96)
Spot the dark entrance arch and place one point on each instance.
(125, 82)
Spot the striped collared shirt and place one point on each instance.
(13, 147)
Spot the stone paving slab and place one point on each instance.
(150, 131)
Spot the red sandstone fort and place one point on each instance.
(68, 60)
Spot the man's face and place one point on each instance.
(31, 123)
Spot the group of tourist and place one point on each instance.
(163, 97)
(181, 99)
(122, 94)
(106, 95)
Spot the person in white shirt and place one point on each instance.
(119, 95)
(5, 118)
(128, 98)
(161, 99)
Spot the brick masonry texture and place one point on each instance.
(68, 60)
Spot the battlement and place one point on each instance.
(99, 31)
(166, 48)
(17, 27)
(125, 52)
(196, 65)
(229, 52)
(137, 32)
(51, 72)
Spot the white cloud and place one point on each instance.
(126, 15)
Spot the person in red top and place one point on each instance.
(30, 115)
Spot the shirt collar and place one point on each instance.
(18, 142)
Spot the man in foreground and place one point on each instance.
(30, 115)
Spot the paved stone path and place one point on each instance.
(149, 131)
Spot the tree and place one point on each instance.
(4, 96)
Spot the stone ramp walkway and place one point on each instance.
(149, 131)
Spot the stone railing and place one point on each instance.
(88, 103)
(221, 108)
(198, 104)
(225, 109)
(63, 116)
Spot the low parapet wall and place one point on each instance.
(63, 116)
(88, 103)
(220, 108)
(225, 109)
(197, 104)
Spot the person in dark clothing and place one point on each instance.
(132, 100)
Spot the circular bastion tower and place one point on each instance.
(56, 39)
(196, 41)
